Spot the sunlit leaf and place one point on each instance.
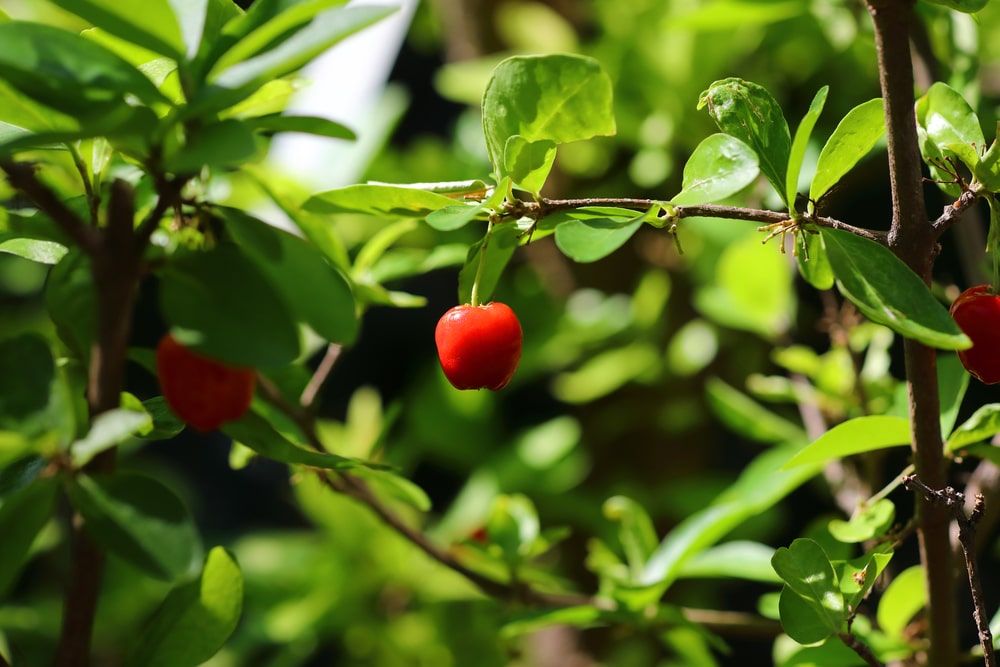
(855, 135)
(855, 436)
(801, 142)
(155, 27)
(809, 575)
(591, 234)
(397, 201)
(719, 167)
(868, 522)
(904, 597)
(950, 123)
(982, 425)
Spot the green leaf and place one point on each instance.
(953, 381)
(139, 519)
(320, 127)
(809, 574)
(255, 432)
(559, 98)
(858, 575)
(226, 143)
(501, 243)
(591, 234)
(747, 417)
(213, 299)
(888, 292)
(855, 436)
(812, 261)
(394, 201)
(316, 291)
(107, 430)
(904, 597)
(43, 252)
(801, 142)
(195, 619)
(23, 514)
(529, 162)
(635, 531)
(165, 423)
(236, 77)
(456, 216)
(853, 138)
(68, 72)
(967, 6)
(951, 124)
(155, 27)
(868, 522)
(719, 167)
(748, 112)
(982, 425)
(513, 525)
(529, 622)
(34, 399)
(395, 486)
(737, 559)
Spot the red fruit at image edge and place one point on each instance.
(479, 346)
(977, 313)
(203, 392)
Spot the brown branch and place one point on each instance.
(311, 392)
(22, 177)
(859, 647)
(913, 238)
(953, 212)
(954, 502)
(545, 207)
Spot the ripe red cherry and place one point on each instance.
(977, 312)
(203, 392)
(479, 346)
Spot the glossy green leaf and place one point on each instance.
(738, 559)
(456, 216)
(812, 261)
(759, 487)
(501, 242)
(905, 596)
(591, 234)
(867, 523)
(226, 143)
(255, 432)
(953, 381)
(23, 514)
(68, 72)
(982, 425)
(165, 423)
(858, 575)
(43, 252)
(320, 127)
(212, 299)
(855, 436)
(800, 143)
(318, 294)
(559, 98)
(236, 80)
(886, 291)
(529, 162)
(195, 619)
(155, 27)
(531, 621)
(950, 123)
(854, 137)
(391, 201)
(140, 520)
(748, 112)
(809, 574)
(720, 166)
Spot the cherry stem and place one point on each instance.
(474, 295)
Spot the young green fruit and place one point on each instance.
(479, 346)
(203, 392)
(977, 313)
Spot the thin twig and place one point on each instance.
(859, 647)
(311, 392)
(953, 212)
(93, 201)
(954, 501)
(23, 178)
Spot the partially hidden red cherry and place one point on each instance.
(977, 313)
(479, 346)
(203, 392)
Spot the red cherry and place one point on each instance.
(479, 346)
(203, 392)
(977, 312)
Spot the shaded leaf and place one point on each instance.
(320, 127)
(529, 162)
(140, 520)
(982, 425)
(888, 292)
(501, 243)
(587, 237)
(23, 514)
(737, 559)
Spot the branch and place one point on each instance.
(545, 207)
(953, 212)
(311, 392)
(859, 647)
(23, 178)
(954, 502)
